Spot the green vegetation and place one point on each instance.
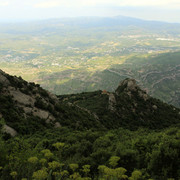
(114, 154)
(70, 56)
(101, 135)
(128, 111)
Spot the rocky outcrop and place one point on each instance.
(26, 96)
(7, 129)
(154, 107)
(129, 86)
(21, 98)
(40, 113)
(27, 110)
(143, 95)
(112, 102)
(57, 125)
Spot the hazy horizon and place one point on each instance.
(76, 17)
(16, 10)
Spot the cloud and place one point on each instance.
(42, 9)
(169, 4)
(93, 3)
(4, 3)
(152, 3)
(47, 4)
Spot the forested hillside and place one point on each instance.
(125, 134)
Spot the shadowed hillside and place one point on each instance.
(124, 134)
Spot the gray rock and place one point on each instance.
(57, 125)
(7, 129)
(52, 96)
(128, 85)
(27, 110)
(112, 102)
(40, 113)
(51, 118)
(143, 95)
(131, 85)
(22, 98)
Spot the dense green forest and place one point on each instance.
(124, 134)
(92, 154)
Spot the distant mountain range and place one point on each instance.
(109, 23)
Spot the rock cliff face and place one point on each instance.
(26, 107)
(127, 85)
(112, 102)
(130, 86)
(28, 97)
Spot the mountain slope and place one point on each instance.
(128, 106)
(85, 129)
(27, 108)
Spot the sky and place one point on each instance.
(161, 10)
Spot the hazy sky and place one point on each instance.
(166, 10)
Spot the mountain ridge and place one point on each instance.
(127, 101)
(129, 106)
(48, 25)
